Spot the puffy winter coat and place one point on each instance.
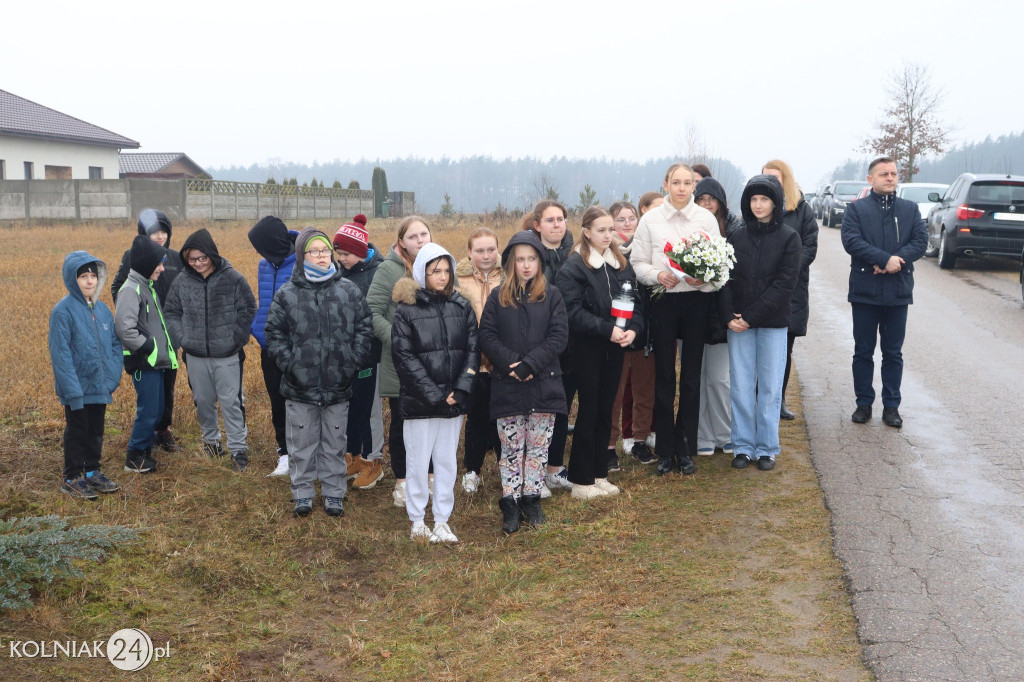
(276, 243)
(588, 295)
(434, 348)
(84, 351)
(209, 317)
(172, 268)
(801, 219)
(475, 287)
(533, 332)
(361, 274)
(380, 298)
(318, 333)
(767, 263)
(875, 228)
(138, 316)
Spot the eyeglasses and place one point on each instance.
(554, 221)
(198, 260)
(318, 253)
(624, 221)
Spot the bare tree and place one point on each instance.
(692, 146)
(911, 127)
(545, 187)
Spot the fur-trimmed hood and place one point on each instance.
(407, 290)
(464, 268)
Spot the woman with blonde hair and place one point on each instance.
(800, 217)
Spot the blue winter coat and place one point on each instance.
(84, 351)
(875, 228)
(269, 279)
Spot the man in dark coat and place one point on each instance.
(884, 235)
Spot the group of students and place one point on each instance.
(505, 339)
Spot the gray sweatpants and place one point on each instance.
(376, 423)
(715, 426)
(316, 438)
(219, 380)
(434, 439)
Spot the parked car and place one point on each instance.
(836, 198)
(979, 215)
(864, 191)
(809, 198)
(918, 193)
(819, 201)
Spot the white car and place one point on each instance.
(918, 193)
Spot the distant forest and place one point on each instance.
(483, 183)
(1003, 154)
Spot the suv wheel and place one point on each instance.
(931, 251)
(947, 259)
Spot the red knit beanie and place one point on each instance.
(353, 237)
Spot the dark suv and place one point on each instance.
(833, 204)
(979, 215)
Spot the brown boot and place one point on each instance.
(370, 471)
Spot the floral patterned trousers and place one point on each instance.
(524, 452)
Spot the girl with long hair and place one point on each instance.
(589, 281)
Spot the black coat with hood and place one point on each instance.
(715, 330)
(433, 344)
(801, 219)
(588, 294)
(532, 333)
(150, 221)
(554, 259)
(318, 333)
(361, 274)
(209, 317)
(767, 262)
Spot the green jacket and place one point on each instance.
(383, 308)
(139, 324)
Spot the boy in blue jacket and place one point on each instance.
(86, 358)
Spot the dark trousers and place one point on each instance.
(481, 430)
(272, 380)
(170, 376)
(789, 364)
(556, 450)
(360, 441)
(678, 316)
(83, 439)
(396, 440)
(598, 369)
(149, 407)
(870, 323)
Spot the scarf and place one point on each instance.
(315, 274)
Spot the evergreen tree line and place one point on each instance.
(1003, 154)
(483, 183)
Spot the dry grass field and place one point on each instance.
(724, 575)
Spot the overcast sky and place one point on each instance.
(231, 83)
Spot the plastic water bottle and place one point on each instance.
(622, 306)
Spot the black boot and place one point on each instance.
(509, 514)
(530, 504)
(686, 465)
(666, 465)
(784, 412)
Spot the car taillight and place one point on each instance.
(965, 212)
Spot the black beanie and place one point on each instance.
(88, 267)
(145, 255)
(271, 239)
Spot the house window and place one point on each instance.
(57, 172)
(29, 174)
(95, 172)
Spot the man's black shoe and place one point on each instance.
(666, 465)
(765, 463)
(643, 453)
(686, 465)
(740, 462)
(784, 413)
(165, 440)
(891, 417)
(862, 414)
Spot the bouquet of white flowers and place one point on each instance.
(701, 256)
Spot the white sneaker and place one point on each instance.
(420, 530)
(586, 492)
(650, 439)
(545, 492)
(627, 445)
(442, 533)
(398, 496)
(282, 467)
(607, 486)
(559, 480)
(471, 482)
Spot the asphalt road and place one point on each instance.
(928, 520)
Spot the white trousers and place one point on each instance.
(427, 439)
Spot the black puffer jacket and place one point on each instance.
(361, 274)
(715, 330)
(434, 347)
(554, 259)
(801, 219)
(318, 333)
(209, 317)
(530, 332)
(588, 295)
(767, 263)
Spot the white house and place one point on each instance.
(39, 143)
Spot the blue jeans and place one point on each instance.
(149, 407)
(757, 363)
(888, 323)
